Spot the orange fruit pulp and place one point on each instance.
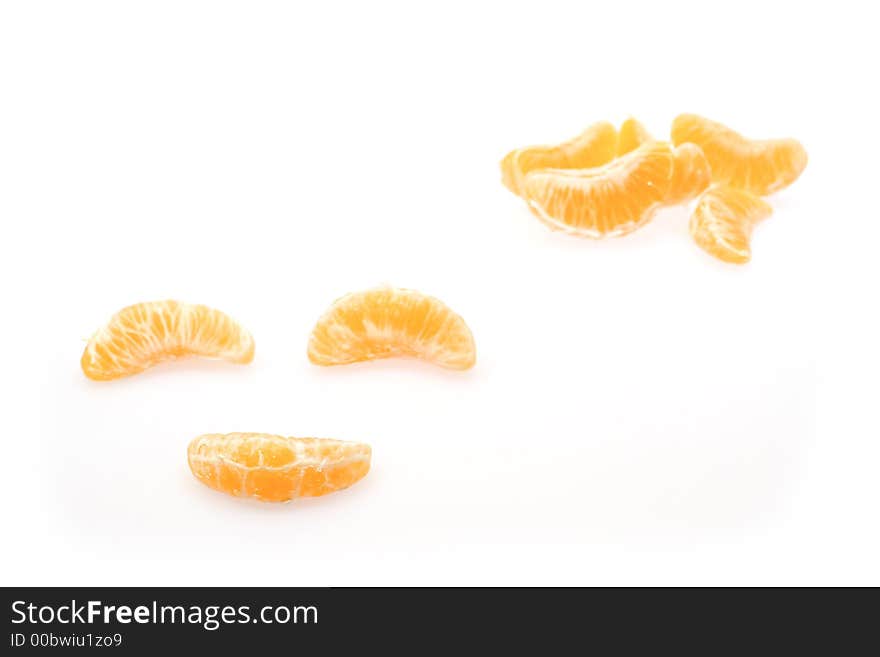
(386, 322)
(723, 220)
(276, 468)
(759, 167)
(142, 335)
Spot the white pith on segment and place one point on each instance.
(212, 457)
(386, 322)
(599, 202)
(142, 335)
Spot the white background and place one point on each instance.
(639, 414)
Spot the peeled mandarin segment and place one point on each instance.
(606, 201)
(274, 468)
(757, 166)
(593, 147)
(142, 335)
(723, 221)
(388, 322)
(632, 134)
(691, 174)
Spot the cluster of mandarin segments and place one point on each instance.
(378, 323)
(604, 182)
(608, 182)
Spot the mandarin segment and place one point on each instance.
(593, 147)
(276, 468)
(757, 166)
(691, 174)
(145, 334)
(606, 201)
(631, 135)
(723, 220)
(387, 322)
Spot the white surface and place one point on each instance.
(639, 413)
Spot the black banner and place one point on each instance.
(146, 620)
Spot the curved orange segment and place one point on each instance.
(631, 135)
(606, 201)
(142, 335)
(757, 166)
(275, 468)
(387, 322)
(593, 147)
(723, 221)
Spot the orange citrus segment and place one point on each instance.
(757, 166)
(723, 221)
(387, 322)
(142, 335)
(691, 174)
(632, 134)
(592, 148)
(611, 200)
(274, 468)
